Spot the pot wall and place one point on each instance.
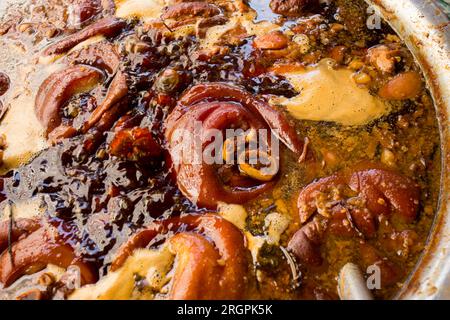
(425, 29)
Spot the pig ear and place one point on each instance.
(292, 8)
(218, 107)
(58, 88)
(210, 250)
(387, 192)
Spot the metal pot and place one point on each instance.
(425, 28)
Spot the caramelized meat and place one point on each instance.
(350, 205)
(58, 88)
(107, 27)
(4, 83)
(204, 241)
(403, 86)
(11, 231)
(291, 7)
(383, 57)
(134, 144)
(190, 9)
(219, 106)
(84, 10)
(34, 252)
(56, 91)
(272, 41)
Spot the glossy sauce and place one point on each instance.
(97, 201)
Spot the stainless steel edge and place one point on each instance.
(425, 29)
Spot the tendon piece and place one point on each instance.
(109, 26)
(32, 295)
(103, 123)
(61, 132)
(35, 252)
(212, 21)
(108, 119)
(202, 14)
(209, 248)
(106, 122)
(58, 88)
(204, 24)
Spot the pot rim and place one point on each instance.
(425, 29)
